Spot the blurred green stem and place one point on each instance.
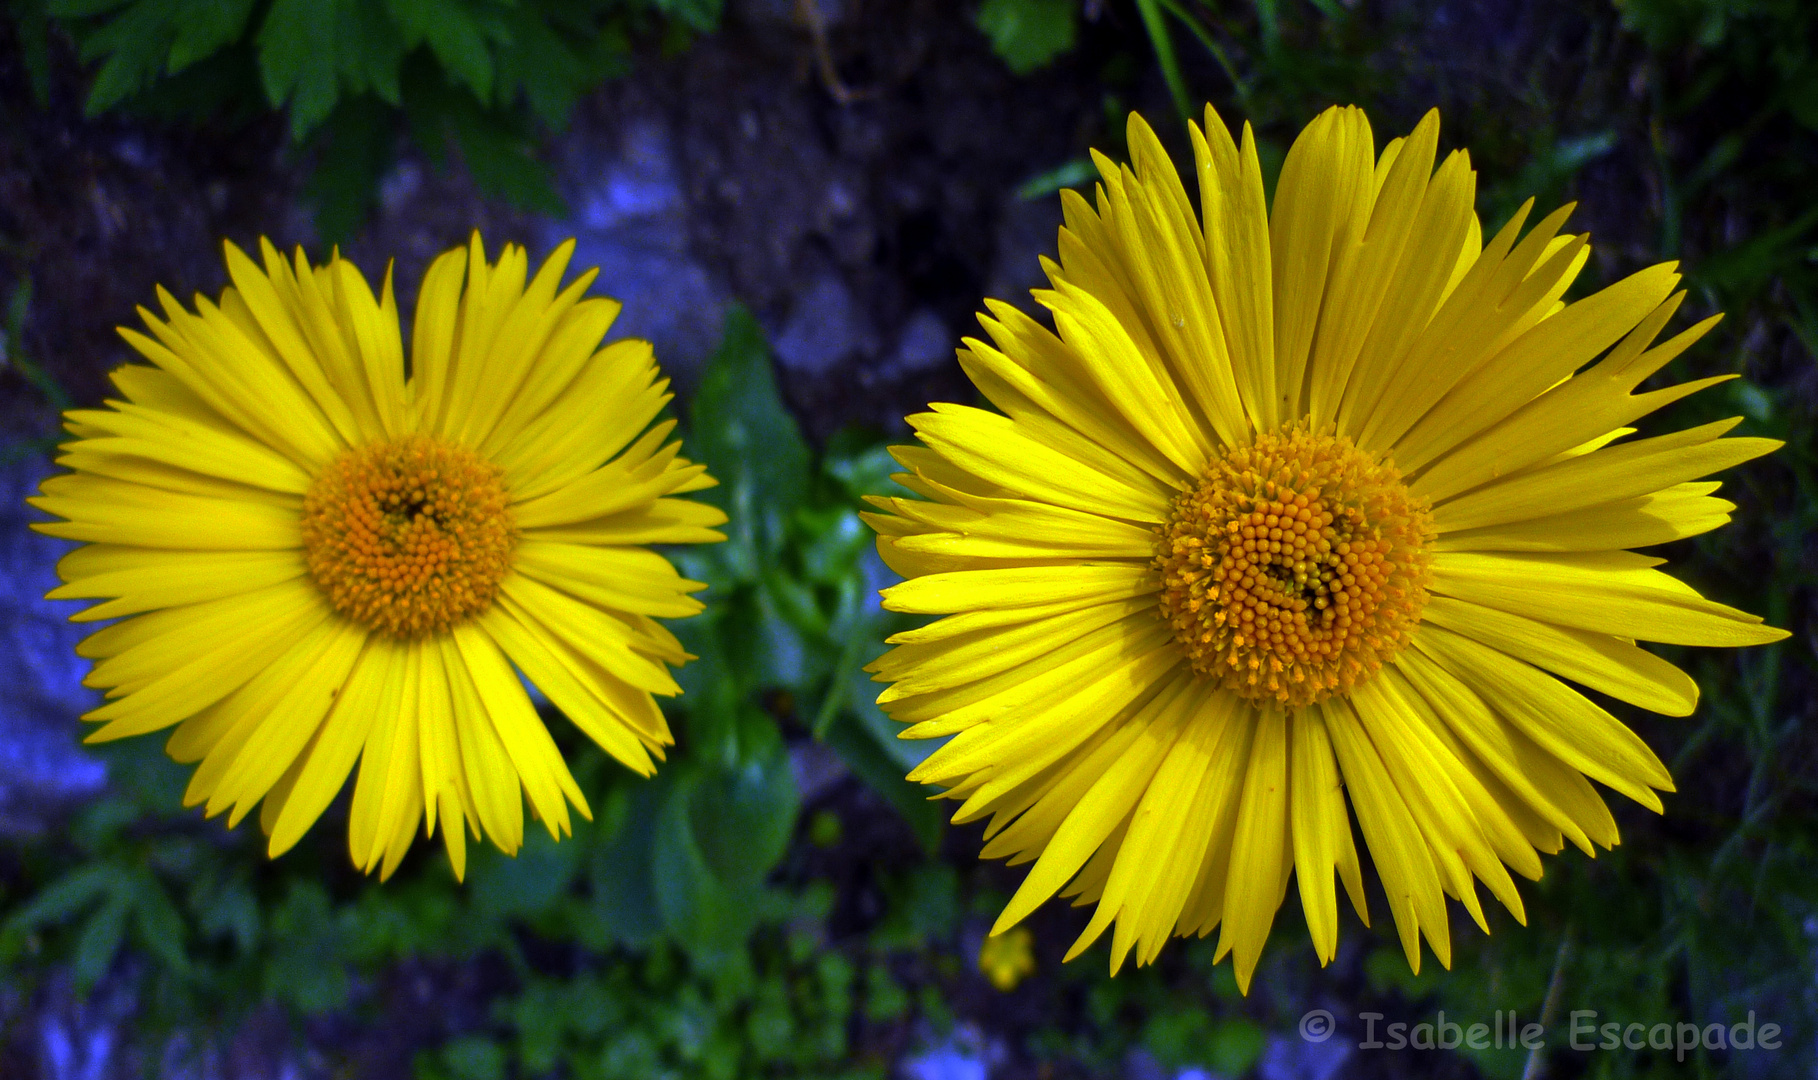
(1239, 86)
(1157, 25)
(13, 352)
(1549, 1010)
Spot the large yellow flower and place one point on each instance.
(325, 560)
(1299, 504)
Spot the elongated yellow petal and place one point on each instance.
(1317, 815)
(1238, 261)
(1614, 473)
(1599, 661)
(1672, 514)
(1257, 854)
(1610, 592)
(1396, 845)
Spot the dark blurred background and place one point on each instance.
(802, 203)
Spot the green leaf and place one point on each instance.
(297, 60)
(230, 912)
(528, 884)
(624, 905)
(1029, 34)
(924, 907)
(1235, 1046)
(355, 149)
(536, 61)
(158, 928)
(740, 430)
(32, 24)
(742, 819)
(100, 941)
(135, 43)
(1156, 23)
(700, 913)
(701, 16)
(499, 157)
(205, 27)
(1072, 174)
(305, 968)
(884, 773)
(836, 540)
(84, 9)
(60, 900)
(718, 835)
(470, 1057)
(455, 35)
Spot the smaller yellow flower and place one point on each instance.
(327, 562)
(1008, 958)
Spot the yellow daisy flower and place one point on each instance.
(1295, 505)
(325, 558)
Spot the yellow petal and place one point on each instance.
(1258, 854)
(1599, 661)
(1606, 592)
(1556, 717)
(1322, 199)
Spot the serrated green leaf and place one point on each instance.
(1029, 34)
(305, 967)
(537, 62)
(356, 143)
(135, 43)
(372, 52)
(499, 158)
(204, 27)
(456, 37)
(230, 912)
(296, 65)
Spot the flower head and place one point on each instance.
(323, 559)
(1300, 515)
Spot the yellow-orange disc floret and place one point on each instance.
(409, 536)
(1295, 568)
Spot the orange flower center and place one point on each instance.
(1296, 567)
(409, 536)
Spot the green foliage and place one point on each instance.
(794, 617)
(1028, 35)
(777, 1009)
(484, 76)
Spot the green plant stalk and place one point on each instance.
(1239, 85)
(1157, 26)
(53, 391)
